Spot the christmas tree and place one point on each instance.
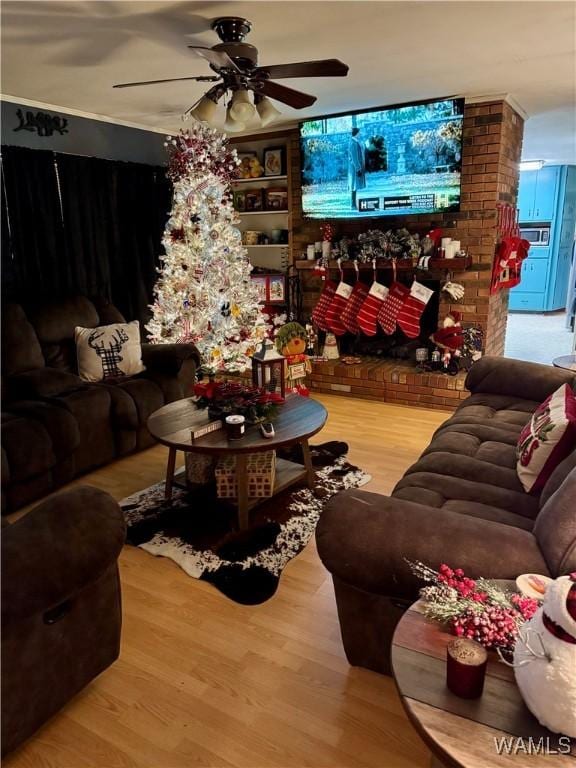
(204, 293)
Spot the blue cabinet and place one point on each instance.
(537, 194)
(547, 195)
(526, 191)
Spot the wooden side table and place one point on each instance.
(298, 419)
(568, 362)
(463, 733)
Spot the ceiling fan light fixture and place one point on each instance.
(266, 110)
(206, 110)
(241, 108)
(231, 125)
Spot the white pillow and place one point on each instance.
(109, 351)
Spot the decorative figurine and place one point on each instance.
(450, 340)
(545, 658)
(291, 341)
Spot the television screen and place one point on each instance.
(392, 161)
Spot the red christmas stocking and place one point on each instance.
(411, 312)
(350, 314)
(392, 305)
(319, 311)
(370, 308)
(337, 307)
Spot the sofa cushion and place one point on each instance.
(21, 349)
(470, 465)
(546, 440)
(557, 477)
(55, 322)
(109, 351)
(60, 425)
(43, 382)
(555, 528)
(28, 447)
(146, 394)
(514, 378)
(500, 411)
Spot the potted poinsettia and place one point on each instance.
(224, 398)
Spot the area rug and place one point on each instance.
(199, 532)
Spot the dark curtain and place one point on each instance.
(32, 231)
(92, 226)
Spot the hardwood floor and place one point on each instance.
(202, 681)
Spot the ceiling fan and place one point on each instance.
(236, 65)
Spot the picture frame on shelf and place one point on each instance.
(261, 284)
(276, 199)
(253, 200)
(276, 289)
(274, 161)
(239, 200)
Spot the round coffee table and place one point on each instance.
(463, 733)
(296, 421)
(568, 362)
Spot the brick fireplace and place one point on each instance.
(492, 142)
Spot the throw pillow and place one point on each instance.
(547, 439)
(109, 351)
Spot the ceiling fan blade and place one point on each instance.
(321, 68)
(217, 59)
(295, 99)
(201, 79)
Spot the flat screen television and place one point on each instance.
(385, 161)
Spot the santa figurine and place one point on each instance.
(450, 340)
(291, 342)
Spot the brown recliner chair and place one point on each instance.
(61, 612)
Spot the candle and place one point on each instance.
(466, 667)
(310, 255)
(235, 427)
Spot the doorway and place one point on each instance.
(539, 337)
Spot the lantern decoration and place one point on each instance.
(268, 369)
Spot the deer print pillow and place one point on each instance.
(109, 351)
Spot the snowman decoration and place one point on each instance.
(545, 658)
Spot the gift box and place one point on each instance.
(200, 468)
(261, 472)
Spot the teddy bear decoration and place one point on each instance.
(250, 168)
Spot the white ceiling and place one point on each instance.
(69, 54)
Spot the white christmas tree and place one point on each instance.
(204, 293)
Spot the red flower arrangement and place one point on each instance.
(477, 609)
(223, 398)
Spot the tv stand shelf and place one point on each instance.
(403, 265)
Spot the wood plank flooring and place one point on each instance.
(202, 681)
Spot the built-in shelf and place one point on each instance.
(259, 178)
(270, 245)
(454, 265)
(259, 213)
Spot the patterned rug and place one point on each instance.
(199, 532)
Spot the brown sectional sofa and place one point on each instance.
(61, 611)
(461, 503)
(56, 426)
